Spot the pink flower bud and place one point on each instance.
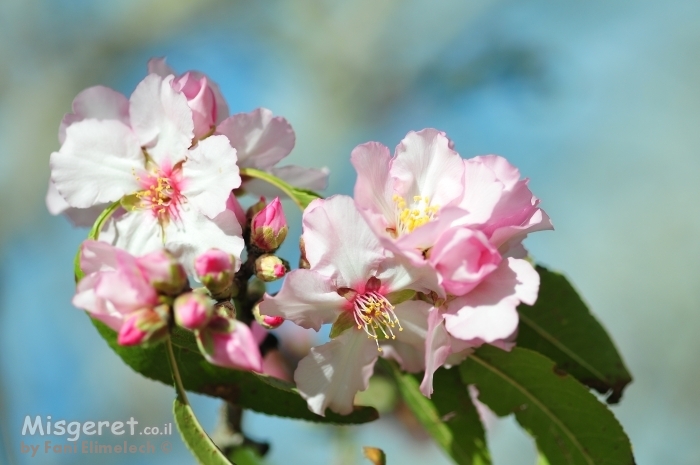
(269, 227)
(215, 269)
(229, 343)
(255, 208)
(163, 272)
(146, 326)
(270, 267)
(193, 310)
(266, 321)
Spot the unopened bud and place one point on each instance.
(266, 321)
(269, 228)
(270, 267)
(146, 326)
(303, 262)
(163, 272)
(256, 290)
(193, 310)
(255, 208)
(215, 269)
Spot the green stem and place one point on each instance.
(176, 372)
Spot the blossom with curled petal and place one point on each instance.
(204, 98)
(175, 194)
(356, 284)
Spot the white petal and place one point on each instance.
(96, 163)
(306, 298)
(260, 139)
(161, 119)
(409, 347)
(425, 165)
(96, 102)
(339, 243)
(81, 217)
(333, 373)
(138, 232)
(210, 174)
(194, 234)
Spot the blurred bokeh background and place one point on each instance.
(597, 102)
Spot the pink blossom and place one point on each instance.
(354, 283)
(203, 96)
(115, 288)
(174, 194)
(261, 142)
(269, 227)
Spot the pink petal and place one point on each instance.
(260, 139)
(81, 217)
(425, 165)
(463, 258)
(96, 102)
(210, 174)
(339, 243)
(374, 186)
(488, 313)
(236, 349)
(97, 256)
(331, 375)
(307, 298)
(437, 349)
(96, 163)
(161, 119)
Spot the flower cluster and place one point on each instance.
(167, 161)
(422, 265)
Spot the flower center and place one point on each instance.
(375, 314)
(160, 194)
(409, 217)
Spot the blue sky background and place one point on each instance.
(597, 103)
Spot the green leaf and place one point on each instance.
(302, 197)
(94, 234)
(195, 438)
(561, 327)
(569, 424)
(449, 417)
(344, 322)
(261, 393)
